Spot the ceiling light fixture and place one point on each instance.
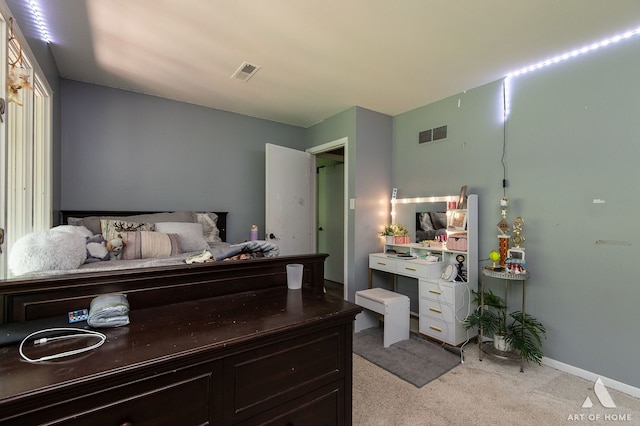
(39, 21)
(561, 58)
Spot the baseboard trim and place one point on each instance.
(609, 383)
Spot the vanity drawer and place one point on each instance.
(437, 329)
(419, 268)
(437, 310)
(382, 262)
(440, 291)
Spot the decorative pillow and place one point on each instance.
(438, 219)
(191, 237)
(112, 227)
(93, 222)
(179, 216)
(149, 244)
(47, 250)
(80, 230)
(209, 222)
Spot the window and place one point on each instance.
(25, 154)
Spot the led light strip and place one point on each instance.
(37, 16)
(561, 58)
(575, 53)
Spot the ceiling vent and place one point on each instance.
(245, 72)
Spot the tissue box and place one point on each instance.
(436, 244)
(457, 242)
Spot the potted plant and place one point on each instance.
(509, 332)
(388, 233)
(401, 234)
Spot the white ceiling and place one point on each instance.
(318, 57)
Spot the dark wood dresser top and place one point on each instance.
(178, 333)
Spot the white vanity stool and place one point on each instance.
(394, 307)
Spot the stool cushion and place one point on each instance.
(380, 295)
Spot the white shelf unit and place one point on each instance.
(443, 305)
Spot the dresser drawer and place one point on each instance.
(174, 399)
(321, 407)
(419, 268)
(277, 373)
(437, 329)
(437, 310)
(440, 291)
(382, 262)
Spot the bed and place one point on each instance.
(92, 241)
(153, 281)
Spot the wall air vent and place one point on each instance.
(245, 72)
(432, 135)
(439, 133)
(425, 136)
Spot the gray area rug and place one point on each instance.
(417, 360)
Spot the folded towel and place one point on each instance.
(109, 310)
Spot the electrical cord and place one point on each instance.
(463, 320)
(446, 346)
(76, 334)
(504, 139)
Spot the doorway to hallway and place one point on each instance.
(330, 212)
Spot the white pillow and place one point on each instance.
(47, 250)
(81, 230)
(190, 234)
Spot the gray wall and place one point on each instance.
(369, 174)
(127, 151)
(572, 137)
(372, 193)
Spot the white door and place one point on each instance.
(290, 199)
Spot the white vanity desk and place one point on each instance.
(443, 304)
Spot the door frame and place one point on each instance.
(319, 149)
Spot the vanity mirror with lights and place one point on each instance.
(442, 258)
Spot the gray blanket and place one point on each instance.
(219, 250)
(253, 248)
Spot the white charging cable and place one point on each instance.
(76, 334)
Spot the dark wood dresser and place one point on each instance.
(270, 356)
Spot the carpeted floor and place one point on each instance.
(417, 360)
(488, 392)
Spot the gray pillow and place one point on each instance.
(424, 221)
(439, 220)
(93, 222)
(190, 234)
(209, 222)
(182, 216)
